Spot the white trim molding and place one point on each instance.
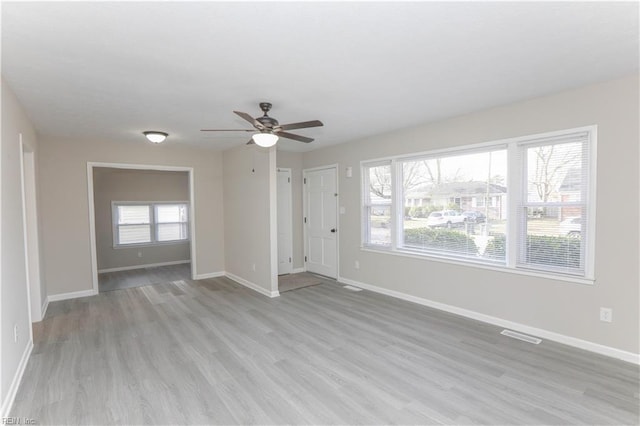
(252, 286)
(7, 403)
(45, 305)
(148, 265)
(71, 295)
(538, 332)
(210, 275)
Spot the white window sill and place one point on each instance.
(482, 265)
(154, 244)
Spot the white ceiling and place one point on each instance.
(115, 69)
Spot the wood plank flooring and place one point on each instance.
(214, 352)
(109, 281)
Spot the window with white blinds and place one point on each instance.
(525, 204)
(442, 215)
(149, 223)
(554, 209)
(377, 204)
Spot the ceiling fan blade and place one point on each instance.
(301, 125)
(294, 137)
(255, 123)
(227, 130)
(251, 142)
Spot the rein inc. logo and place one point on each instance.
(18, 421)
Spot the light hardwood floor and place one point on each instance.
(214, 352)
(109, 281)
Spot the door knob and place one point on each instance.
(333, 230)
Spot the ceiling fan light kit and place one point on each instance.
(155, 137)
(270, 130)
(265, 140)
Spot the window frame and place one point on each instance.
(367, 205)
(587, 194)
(516, 187)
(153, 224)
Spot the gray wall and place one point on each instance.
(567, 308)
(293, 161)
(64, 206)
(250, 228)
(14, 301)
(111, 184)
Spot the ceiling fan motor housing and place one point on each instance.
(265, 107)
(268, 121)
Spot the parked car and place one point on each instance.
(571, 227)
(474, 217)
(445, 218)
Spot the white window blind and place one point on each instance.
(455, 221)
(171, 222)
(554, 214)
(134, 224)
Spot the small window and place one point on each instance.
(171, 222)
(377, 204)
(149, 223)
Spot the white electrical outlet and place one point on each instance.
(139, 254)
(253, 267)
(356, 264)
(606, 314)
(15, 333)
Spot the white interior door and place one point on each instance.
(320, 221)
(285, 223)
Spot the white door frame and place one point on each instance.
(25, 224)
(304, 212)
(290, 192)
(92, 219)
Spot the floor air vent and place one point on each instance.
(349, 287)
(521, 336)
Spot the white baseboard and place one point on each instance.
(7, 403)
(209, 275)
(297, 270)
(71, 295)
(45, 305)
(148, 265)
(251, 285)
(538, 332)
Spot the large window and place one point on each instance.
(452, 222)
(149, 223)
(523, 204)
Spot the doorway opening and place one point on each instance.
(35, 291)
(142, 225)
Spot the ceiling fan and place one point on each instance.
(269, 130)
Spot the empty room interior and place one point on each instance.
(320, 213)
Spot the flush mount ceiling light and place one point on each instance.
(265, 140)
(155, 137)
